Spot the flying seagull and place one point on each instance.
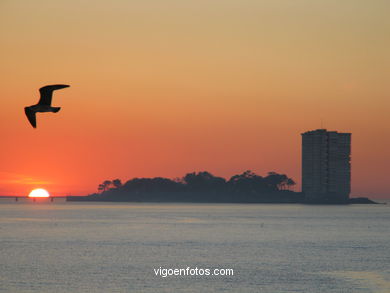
(44, 104)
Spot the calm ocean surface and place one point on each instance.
(100, 247)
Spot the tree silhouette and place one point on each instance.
(104, 186)
(290, 183)
(276, 180)
(203, 181)
(117, 183)
(247, 182)
(203, 187)
(101, 187)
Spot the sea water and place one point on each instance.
(118, 247)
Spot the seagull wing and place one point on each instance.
(47, 93)
(31, 116)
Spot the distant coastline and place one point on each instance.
(191, 197)
(203, 187)
(162, 197)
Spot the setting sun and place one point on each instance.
(39, 192)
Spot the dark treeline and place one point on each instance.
(201, 187)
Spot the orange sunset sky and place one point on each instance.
(162, 88)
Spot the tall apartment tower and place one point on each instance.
(326, 166)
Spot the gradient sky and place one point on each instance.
(161, 88)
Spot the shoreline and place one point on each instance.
(357, 200)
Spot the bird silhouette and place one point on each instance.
(44, 104)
